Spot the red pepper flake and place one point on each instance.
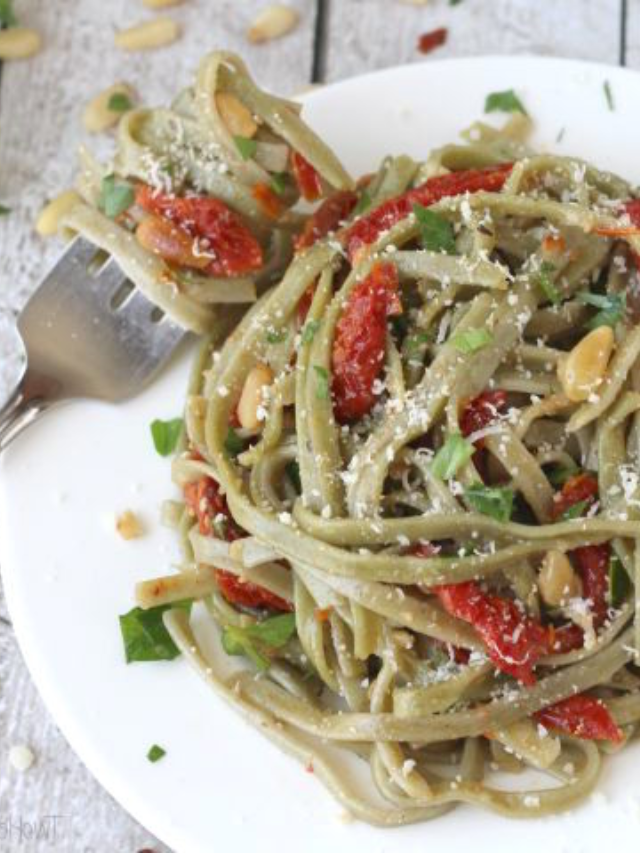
(268, 201)
(430, 41)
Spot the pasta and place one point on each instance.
(410, 473)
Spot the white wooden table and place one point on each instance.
(41, 102)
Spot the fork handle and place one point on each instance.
(34, 394)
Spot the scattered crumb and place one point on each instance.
(21, 757)
(128, 525)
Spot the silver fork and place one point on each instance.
(87, 332)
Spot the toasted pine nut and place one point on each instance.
(128, 525)
(557, 580)
(150, 35)
(19, 43)
(272, 23)
(235, 115)
(97, 116)
(163, 238)
(52, 214)
(161, 4)
(583, 369)
(252, 397)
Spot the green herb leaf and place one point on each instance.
(559, 474)
(454, 453)
(364, 203)
(4, 211)
(612, 308)
(115, 197)
(7, 15)
(165, 435)
(233, 444)
(504, 102)
(415, 343)
(156, 753)
(608, 93)
(276, 337)
(247, 147)
(436, 232)
(309, 331)
(292, 470)
(495, 502)
(575, 511)
(256, 641)
(322, 382)
(144, 636)
(279, 182)
(619, 582)
(472, 340)
(545, 284)
(119, 102)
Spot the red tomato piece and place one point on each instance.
(327, 218)
(513, 640)
(268, 201)
(305, 303)
(247, 594)
(205, 501)
(593, 567)
(307, 178)
(367, 229)
(581, 487)
(430, 41)
(358, 350)
(481, 411)
(236, 251)
(565, 639)
(583, 716)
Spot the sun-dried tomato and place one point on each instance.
(578, 489)
(582, 716)
(593, 567)
(220, 231)
(307, 178)
(247, 594)
(359, 347)
(327, 218)
(431, 40)
(481, 411)
(205, 501)
(268, 201)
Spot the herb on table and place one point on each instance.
(233, 444)
(4, 211)
(166, 434)
(115, 196)
(144, 635)
(454, 453)
(436, 232)
(608, 93)
(156, 753)
(247, 147)
(7, 14)
(504, 102)
(561, 134)
(472, 340)
(496, 502)
(119, 102)
(612, 308)
(257, 640)
(322, 382)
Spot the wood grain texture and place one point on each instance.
(632, 51)
(370, 34)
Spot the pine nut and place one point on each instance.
(97, 116)
(235, 115)
(272, 23)
(557, 580)
(148, 36)
(52, 214)
(128, 525)
(161, 4)
(583, 369)
(252, 397)
(19, 43)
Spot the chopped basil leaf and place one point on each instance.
(277, 337)
(4, 211)
(322, 382)
(257, 640)
(574, 511)
(115, 197)
(436, 232)
(119, 102)
(612, 308)
(546, 285)
(559, 474)
(309, 331)
(246, 147)
(415, 343)
(608, 93)
(496, 502)
(7, 15)
(364, 203)
(619, 582)
(165, 435)
(472, 340)
(279, 182)
(156, 753)
(454, 453)
(504, 102)
(144, 636)
(292, 470)
(233, 444)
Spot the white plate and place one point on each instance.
(67, 576)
